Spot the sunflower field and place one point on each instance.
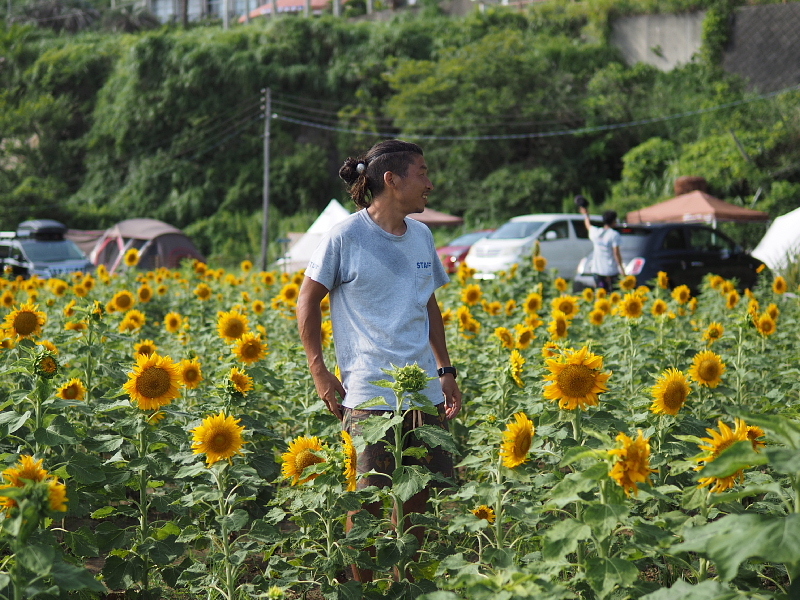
(162, 438)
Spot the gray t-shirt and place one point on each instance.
(603, 260)
(379, 286)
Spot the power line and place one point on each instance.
(540, 134)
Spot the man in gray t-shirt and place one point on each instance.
(381, 270)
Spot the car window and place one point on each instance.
(468, 238)
(516, 230)
(561, 229)
(708, 240)
(56, 251)
(5, 251)
(674, 240)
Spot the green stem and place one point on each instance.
(144, 527)
(577, 432)
(89, 364)
(498, 508)
(222, 511)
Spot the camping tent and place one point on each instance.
(300, 252)
(695, 207)
(434, 218)
(159, 245)
(781, 243)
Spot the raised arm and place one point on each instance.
(452, 394)
(309, 322)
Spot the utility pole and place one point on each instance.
(265, 195)
(225, 15)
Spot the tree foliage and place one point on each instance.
(517, 112)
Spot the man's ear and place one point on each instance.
(388, 179)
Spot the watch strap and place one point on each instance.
(445, 370)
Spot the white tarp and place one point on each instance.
(781, 243)
(300, 253)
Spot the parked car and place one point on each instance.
(40, 248)
(563, 241)
(685, 252)
(455, 251)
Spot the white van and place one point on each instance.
(563, 241)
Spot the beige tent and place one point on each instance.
(695, 207)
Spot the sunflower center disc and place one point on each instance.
(675, 395)
(250, 351)
(190, 375)
(305, 458)
(153, 382)
(70, 393)
(234, 329)
(522, 444)
(708, 370)
(123, 302)
(561, 328)
(576, 381)
(220, 443)
(25, 323)
(48, 365)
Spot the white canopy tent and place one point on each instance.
(781, 244)
(299, 254)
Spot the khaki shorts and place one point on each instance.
(377, 457)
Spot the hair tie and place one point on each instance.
(360, 168)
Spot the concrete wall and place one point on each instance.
(664, 41)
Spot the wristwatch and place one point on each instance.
(445, 370)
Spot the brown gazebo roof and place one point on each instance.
(695, 207)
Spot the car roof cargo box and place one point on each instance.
(42, 229)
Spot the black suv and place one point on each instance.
(685, 252)
(40, 248)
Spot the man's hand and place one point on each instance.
(328, 386)
(452, 395)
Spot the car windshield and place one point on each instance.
(516, 230)
(468, 238)
(56, 251)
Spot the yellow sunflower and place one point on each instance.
(145, 293)
(26, 469)
(663, 280)
(533, 321)
(773, 311)
(559, 325)
(289, 293)
(517, 440)
(250, 349)
(258, 306)
(301, 454)
(633, 462)
(190, 372)
(602, 304)
(515, 364)
(146, 347)
(350, 462)
(76, 326)
(707, 368)
(576, 379)
(765, 325)
(715, 445)
(46, 365)
(219, 437)
(49, 346)
(25, 321)
(670, 392)
(57, 495)
(241, 381)
(550, 349)
(59, 287)
(631, 306)
(732, 299)
(154, 382)
(716, 282)
(326, 331)
(133, 321)
(525, 335)
(131, 258)
(173, 322)
(484, 512)
(681, 294)
(561, 284)
(597, 317)
(533, 303)
(232, 325)
(7, 299)
(510, 307)
(505, 336)
(123, 301)
(627, 283)
(539, 263)
(659, 308)
(588, 294)
(566, 304)
(779, 285)
(714, 332)
(72, 390)
(246, 265)
(202, 291)
(471, 294)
